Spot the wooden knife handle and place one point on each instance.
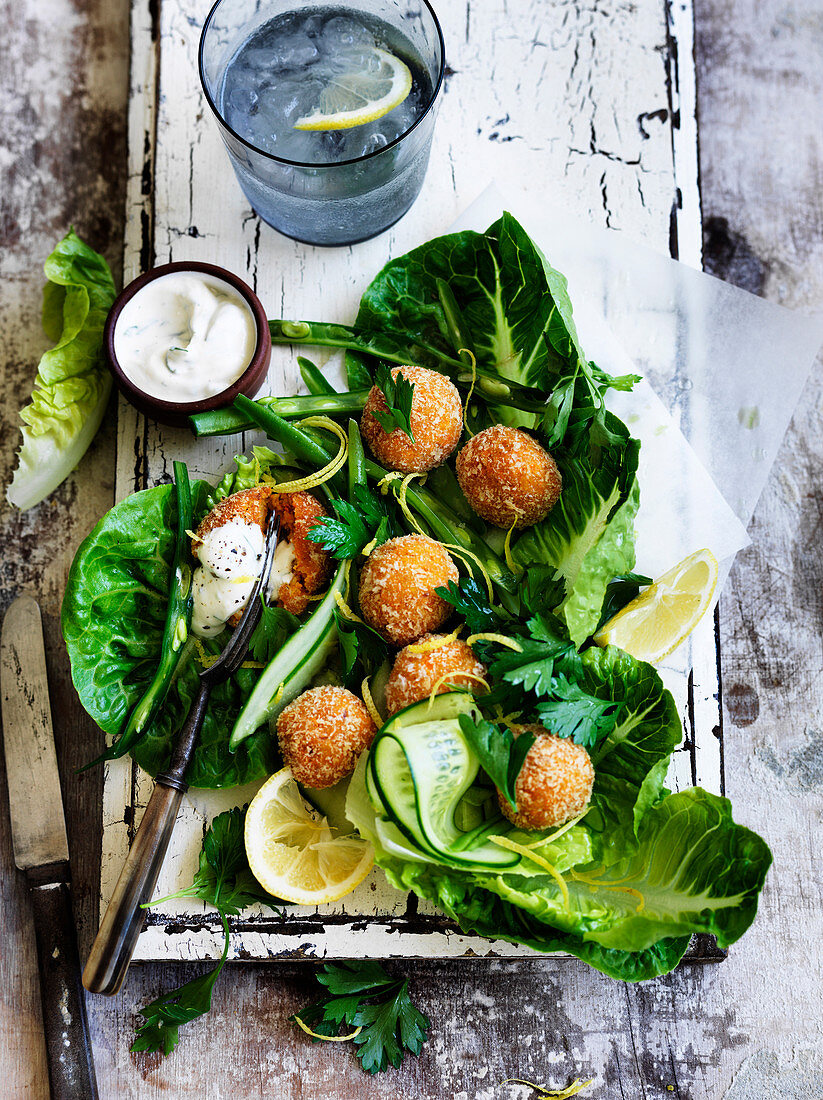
(71, 1066)
(124, 919)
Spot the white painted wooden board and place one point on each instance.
(576, 103)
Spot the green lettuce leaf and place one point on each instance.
(641, 873)
(113, 617)
(486, 913)
(589, 534)
(694, 870)
(514, 312)
(72, 385)
(631, 763)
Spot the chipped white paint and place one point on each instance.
(608, 152)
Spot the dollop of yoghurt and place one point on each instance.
(231, 557)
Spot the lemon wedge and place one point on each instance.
(292, 849)
(362, 95)
(666, 612)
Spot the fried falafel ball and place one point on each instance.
(303, 567)
(397, 588)
(436, 423)
(554, 785)
(322, 733)
(507, 477)
(415, 675)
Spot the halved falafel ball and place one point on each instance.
(305, 565)
(415, 675)
(436, 423)
(322, 733)
(397, 588)
(298, 513)
(554, 785)
(507, 477)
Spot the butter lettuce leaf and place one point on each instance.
(631, 762)
(113, 617)
(72, 385)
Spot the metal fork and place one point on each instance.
(123, 922)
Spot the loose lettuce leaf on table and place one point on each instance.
(72, 385)
(113, 617)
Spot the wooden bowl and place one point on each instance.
(178, 412)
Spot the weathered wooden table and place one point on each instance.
(585, 103)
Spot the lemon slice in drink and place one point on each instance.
(377, 83)
(292, 849)
(666, 612)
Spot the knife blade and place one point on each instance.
(41, 848)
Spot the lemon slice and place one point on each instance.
(362, 95)
(292, 849)
(665, 613)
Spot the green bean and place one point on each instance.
(300, 443)
(455, 323)
(314, 379)
(357, 459)
(230, 420)
(406, 348)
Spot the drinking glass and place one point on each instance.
(344, 201)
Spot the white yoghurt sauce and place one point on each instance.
(231, 557)
(185, 336)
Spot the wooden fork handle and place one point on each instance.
(123, 922)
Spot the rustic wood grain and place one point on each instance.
(64, 83)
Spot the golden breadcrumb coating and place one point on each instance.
(436, 423)
(397, 588)
(554, 785)
(507, 477)
(414, 675)
(322, 733)
(298, 514)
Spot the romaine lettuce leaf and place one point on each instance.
(72, 385)
(694, 870)
(113, 617)
(486, 913)
(589, 534)
(514, 308)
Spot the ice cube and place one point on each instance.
(341, 30)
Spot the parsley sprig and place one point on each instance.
(546, 681)
(363, 995)
(368, 516)
(224, 880)
(398, 394)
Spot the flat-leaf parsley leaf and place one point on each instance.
(362, 995)
(398, 394)
(225, 881)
